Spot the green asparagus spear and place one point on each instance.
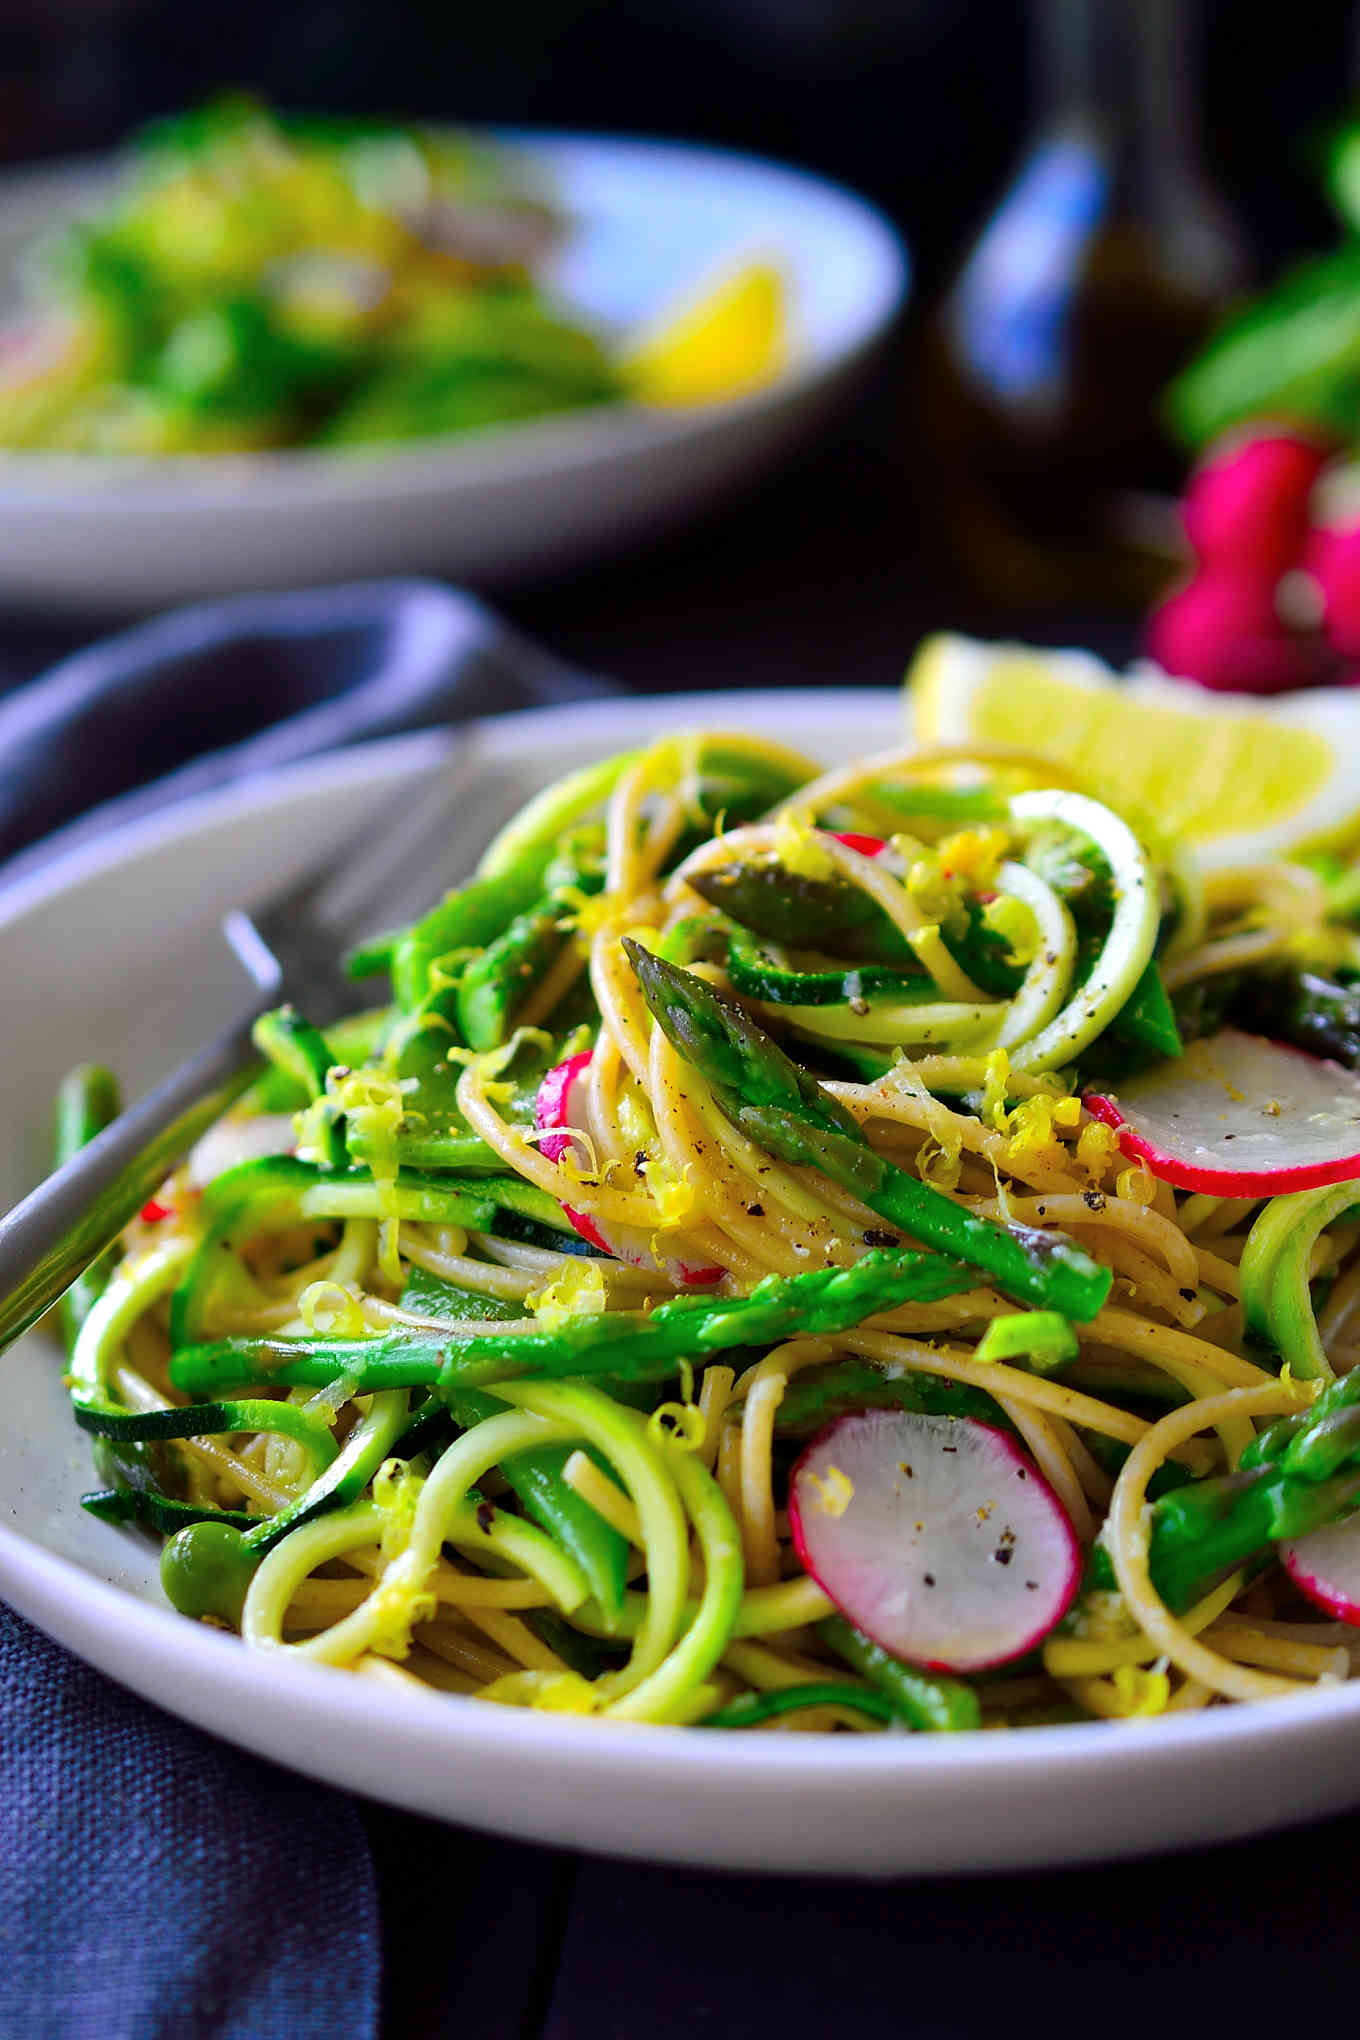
(925, 1699)
(783, 1109)
(1301, 1474)
(495, 984)
(804, 913)
(304, 1055)
(631, 1344)
(749, 1710)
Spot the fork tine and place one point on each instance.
(405, 855)
(404, 833)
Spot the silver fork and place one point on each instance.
(291, 949)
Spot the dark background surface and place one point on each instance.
(920, 103)
(824, 573)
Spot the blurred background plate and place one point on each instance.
(651, 220)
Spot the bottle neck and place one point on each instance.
(1118, 75)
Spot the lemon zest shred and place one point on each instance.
(835, 1492)
(333, 1311)
(680, 1424)
(997, 1069)
(1140, 1690)
(1136, 1184)
(580, 1291)
(1097, 1146)
(975, 855)
(398, 1601)
(1304, 1392)
(548, 1692)
(797, 848)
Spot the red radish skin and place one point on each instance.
(561, 1103)
(935, 1536)
(1332, 558)
(1222, 630)
(1325, 1565)
(1246, 505)
(867, 846)
(1293, 1120)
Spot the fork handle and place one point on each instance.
(81, 1208)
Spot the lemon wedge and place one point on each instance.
(1234, 777)
(730, 337)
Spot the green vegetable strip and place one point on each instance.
(459, 1153)
(494, 985)
(654, 1678)
(281, 1191)
(1300, 1475)
(387, 1614)
(1132, 936)
(714, 1622)
(474, 1526)
(644, 1466)
(466, 919)
(1040, 1337)
(303, 1055)
(785, 1111)
(352, 1040)
(804, 913)
(924, 1699)
(815, 1396)
(1275, 1295)
(206, 1420)
(624, 1343)
(1149, 1019)
(536, 1477)
(206, 1569)
(749, 1710)
(158, 1512)
(87, 1102)
(525, 845)
(134, 1288)
(757, 974)
(370, 958)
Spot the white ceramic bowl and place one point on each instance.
(651, 220)
(113, 952)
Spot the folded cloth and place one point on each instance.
(154, 1882)
(207, 694)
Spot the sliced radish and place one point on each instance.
(561, 1102)
(1240, 1116)
(1325, 1565)
(934, 1535)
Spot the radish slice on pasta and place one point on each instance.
(935, 1536)
(1325, 1565)
(561, 1103)
(1240, 1116)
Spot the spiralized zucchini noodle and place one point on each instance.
(727, 1100)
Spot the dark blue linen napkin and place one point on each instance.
(207, 694)
(156, 1884)
(153, 1882)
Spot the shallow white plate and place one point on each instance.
(112, 952)
(651, 220)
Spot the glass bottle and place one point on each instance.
(1104, 264)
